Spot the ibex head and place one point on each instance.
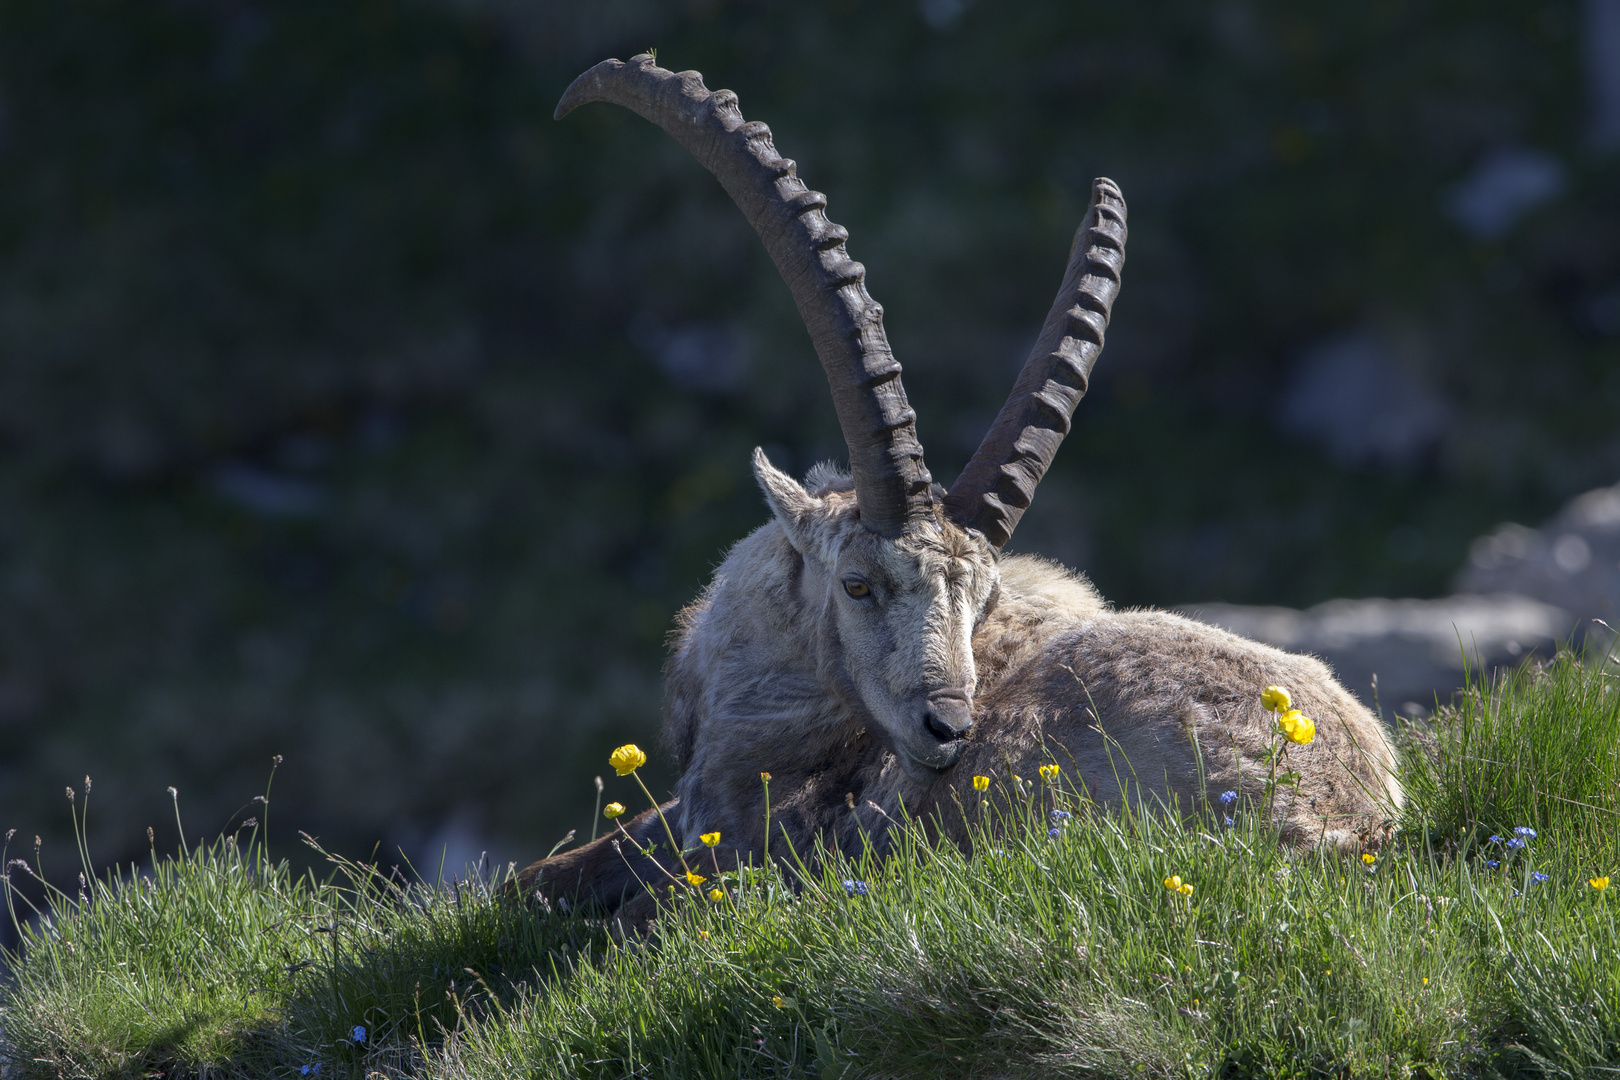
(893, 616)
(905, 569)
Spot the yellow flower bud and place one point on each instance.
(776, 999)
(981, 783)
(627, 759)
(694, 879)
(1275, 699)
(1369, 858)
(613, 809)
(710, 839)
(716, 895)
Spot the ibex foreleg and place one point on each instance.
(611, 872)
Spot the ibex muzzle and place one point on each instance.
(948, 715)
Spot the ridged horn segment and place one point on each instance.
(845, 323)
(996, 487)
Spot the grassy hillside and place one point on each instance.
(1479, 943)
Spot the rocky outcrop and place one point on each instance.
(1573, 561)
(1524, 591)
(1401, 655)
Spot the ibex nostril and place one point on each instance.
(948, 718)
(938, 728)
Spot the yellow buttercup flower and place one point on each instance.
(613, 809)
(710, 839)
(1598, 883)
(1369, 858)
(716, 895)
(1049, 773)
(1173, 883)
(981, 783)
(776, 999)
(1186, 888)
(1297, 726)
(694, 878)
(1275, 699)
(627, 759)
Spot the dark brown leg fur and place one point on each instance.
(610, 873)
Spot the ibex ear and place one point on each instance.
(798, 511)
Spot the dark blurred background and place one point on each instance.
(352, 409)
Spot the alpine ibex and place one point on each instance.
(872, 649)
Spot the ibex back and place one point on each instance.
(872, 649)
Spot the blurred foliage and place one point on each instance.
(353, 409)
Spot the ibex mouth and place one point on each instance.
(926, 767)
(936, 742)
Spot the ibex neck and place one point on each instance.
(747, 690)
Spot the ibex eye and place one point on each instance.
(857, 588)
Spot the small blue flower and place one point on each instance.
(1494, 839)
(1228, 798)
(854, 888)
(1515, 844)
(358, 1034)
(1538, 877)
(1229, 823)
(1059, 815)
(1053, 833)
(1493, 863)
(304, 1071)
(1525, 831)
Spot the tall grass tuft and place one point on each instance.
(1538, 747)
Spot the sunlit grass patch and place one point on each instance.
(1538, 746)
(174, 967)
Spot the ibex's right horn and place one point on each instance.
(996, 487)
(846, 324)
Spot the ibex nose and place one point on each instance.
(949, 716)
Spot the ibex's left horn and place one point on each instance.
(996, 487)
(891, 482)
